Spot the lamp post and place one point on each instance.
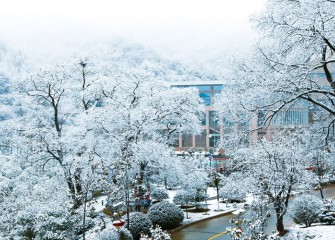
(216, 183)
(211, 151)
(127, 195)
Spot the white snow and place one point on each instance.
(318, 232)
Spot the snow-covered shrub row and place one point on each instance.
(305, 209)
(165, 214)
(139, 223)
(156, 234)
(159, 194)
(114, 234)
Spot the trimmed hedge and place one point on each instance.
(166, 215)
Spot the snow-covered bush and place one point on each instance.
(328, 213)
(159, 194)
(305, 209)
(156, 234)
(165, 214)
(55, 224)
(114, 234)
(233, 192)
(138, 223)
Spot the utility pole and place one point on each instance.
(127, 196)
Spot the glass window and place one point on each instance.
(203, 120)
(206, 97)
(204, 87)
(214, 123)
(187, 140)
(200, 140)
(217, 87)
(291, 117)
(214, 140)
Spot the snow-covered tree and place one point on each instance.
(305, 209)
(34, 203)
(85, 126)
(159, 194)
(138, 111)
(232, 193)
(52, 131)
(196, 184)
(292, 66)
(276, 168)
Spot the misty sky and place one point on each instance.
(182, 29)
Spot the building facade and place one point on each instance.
(211, 127)
(214, 128)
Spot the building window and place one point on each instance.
(214, 123)
(291, 117)
(217, 87)
(214, 140)
(200, 140)
(187, 140)
(206, 97)
(203, 88)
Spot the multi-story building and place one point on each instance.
(211, 129)
(211, 126)
(214, 128)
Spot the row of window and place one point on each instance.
(286, 117)
(206, 92)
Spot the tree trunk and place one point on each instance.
(321, 192)
(75, 197)
(77, 179)
(280, 223)
(84, 217)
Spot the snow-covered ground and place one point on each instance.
(213, 207)
(317, 232)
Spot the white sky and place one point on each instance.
(183, 29)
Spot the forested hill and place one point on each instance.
(125, 56)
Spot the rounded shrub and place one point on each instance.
(139, 223)
(114, 234)
(305, 209)
(165, 214)
(159, 194)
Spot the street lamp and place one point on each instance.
(216, 183)
(211, 151)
